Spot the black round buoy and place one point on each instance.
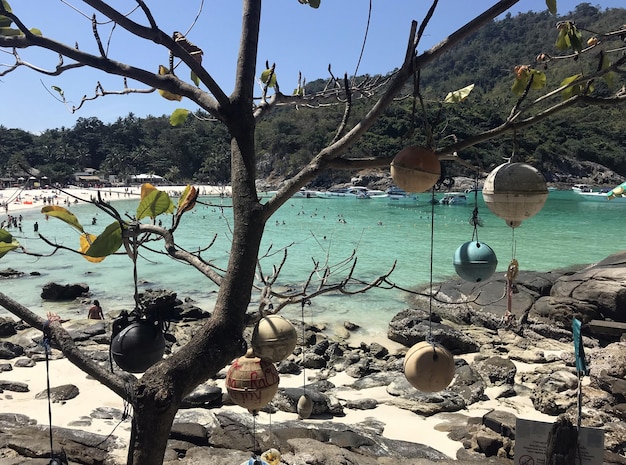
(138, 346)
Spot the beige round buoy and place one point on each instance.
(252, 382)
(415, 169)
(515, 192)
(305, 407)
(429, 367)
(274, 338)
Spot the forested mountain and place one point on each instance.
(198, 151)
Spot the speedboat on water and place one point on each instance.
(306, 193)
(396, 196)
(601, 195)
(453, 198)
(354, 192)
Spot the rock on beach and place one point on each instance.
(364, 410)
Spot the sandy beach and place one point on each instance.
(400, 424)
(15, 201)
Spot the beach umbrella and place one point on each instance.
(619, 191)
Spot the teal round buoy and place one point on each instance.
(475, 261)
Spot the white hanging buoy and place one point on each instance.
(305, 407)
(515, 192)
(274, 338)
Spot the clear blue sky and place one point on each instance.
(295, 37)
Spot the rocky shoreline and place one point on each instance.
(505, 368)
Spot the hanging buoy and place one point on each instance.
(252, 382)
(415, 169)
(138, 346)
(274, 338)
(515, 192)
(305, 407)
(475, 261)
(429, 367)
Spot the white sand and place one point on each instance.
(91, 396)
(399, 424)
(19, 200)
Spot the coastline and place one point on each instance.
(19, 200)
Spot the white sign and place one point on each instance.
(531, 440)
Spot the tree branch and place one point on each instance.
(411, 63)
(116, 383)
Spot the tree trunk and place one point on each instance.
(162, 388)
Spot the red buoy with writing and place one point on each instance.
(252, 382)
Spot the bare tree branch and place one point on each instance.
(116, 383)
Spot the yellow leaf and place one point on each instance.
(170, 96)
(459, 95)
(146, 188)
(86, 240)
(166, 93)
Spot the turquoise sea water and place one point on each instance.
(565, 232)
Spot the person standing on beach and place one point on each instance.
(95, 311)
(36, 227)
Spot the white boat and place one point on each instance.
(599, 196)
(306, 193)
(453, 198)
(582, 188)
(355, 192)
(396, 196)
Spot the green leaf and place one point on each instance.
(64, 215)
(85, 241)
(551, 4)
(539, 79)
(106, 243)
(9, 32)
(6, 247)
(58, 90)
(4, 21)
(572, 90)
(195, 79)
(265, 77)
(179, 116)
(519, 86)
(459, 95)
(154, 204)
(576, 38)
(299, 91)
(5, 236)
(35, 31)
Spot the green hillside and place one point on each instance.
(198, 151)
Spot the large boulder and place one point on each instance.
(412, 326)
(59, 292)
(595, 292)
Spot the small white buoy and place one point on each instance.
(305, 407)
